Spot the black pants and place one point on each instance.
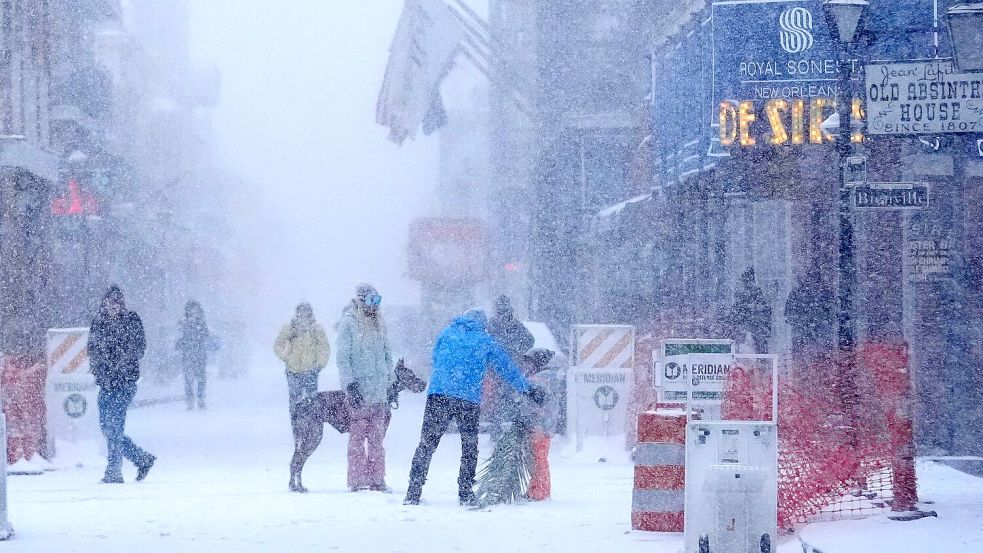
(436, 416)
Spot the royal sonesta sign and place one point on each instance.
(775, 73)
(924, 97)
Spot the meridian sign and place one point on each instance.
(775, 73)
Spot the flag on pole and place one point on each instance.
(428, 38)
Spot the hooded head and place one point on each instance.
(367, 299)
(304, 317)
(194, 312)
(503, 308)
(476, 315)
(113, 303)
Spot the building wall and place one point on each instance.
(26, 172)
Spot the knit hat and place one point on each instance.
(503, 306)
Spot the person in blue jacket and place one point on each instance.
(461, 356)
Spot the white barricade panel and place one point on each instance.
(731, 487)
(600, 377)
(71, 388)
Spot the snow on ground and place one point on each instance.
(220, 484)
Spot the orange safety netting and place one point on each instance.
(845, 444)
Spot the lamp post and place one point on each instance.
(844, 17)
(965, 26)
(965, 23)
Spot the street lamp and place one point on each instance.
(966, 34)
(844, 17)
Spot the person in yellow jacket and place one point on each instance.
(303, 346)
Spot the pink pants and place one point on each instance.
(366, 456)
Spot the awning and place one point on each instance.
(607, 219)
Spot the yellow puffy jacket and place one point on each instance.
(303, 350)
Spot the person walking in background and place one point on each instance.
(460, 359)
(194, 343)
(365, 371)
(540, 419)
(303, 347)
(116, 345)
(516, 340)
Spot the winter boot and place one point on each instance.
(297, 488)
(467, 499)
(413, 495)
(112, 479)
(380, 488)
(144, 467)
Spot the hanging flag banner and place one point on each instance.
(427, 40)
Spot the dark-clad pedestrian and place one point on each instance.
(116, 345)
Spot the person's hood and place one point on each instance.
(470, 323)
(353, 311)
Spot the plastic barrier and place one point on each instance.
(23, 383)
(660, 458)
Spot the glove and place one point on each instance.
(536, 394)
(354, 396)
(393, 397)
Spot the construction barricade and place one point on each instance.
(23, 382)
(660, 458)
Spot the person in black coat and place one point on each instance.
(516, 340)
(116, 344)
(193, 344)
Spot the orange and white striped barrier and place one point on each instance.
(71, 396)
(604, 347)
(66, 350)
(658, 496)
(602, 367)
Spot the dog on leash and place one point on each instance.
(310, 414)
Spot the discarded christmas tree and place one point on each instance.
(504, 478)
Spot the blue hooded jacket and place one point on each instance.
(462, 354)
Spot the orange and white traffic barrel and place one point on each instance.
(660, 472)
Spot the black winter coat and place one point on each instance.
(512, 335)
(115, 349)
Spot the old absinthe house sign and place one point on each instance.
(923, 97)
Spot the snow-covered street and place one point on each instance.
(220, 484)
